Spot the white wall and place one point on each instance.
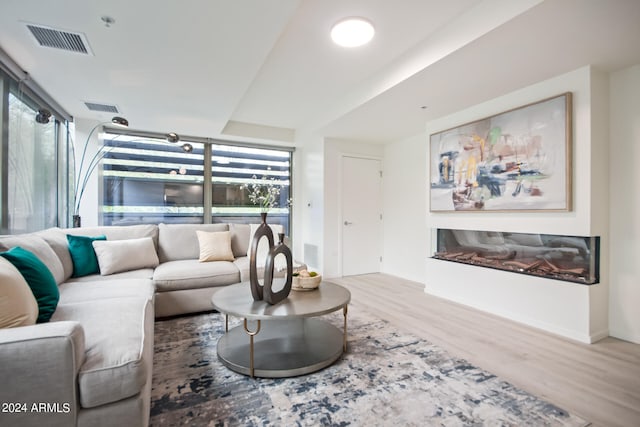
(334, 150)
(406, 239)
(599, 173)
(308, 201)
(572, 310)
(624, 303)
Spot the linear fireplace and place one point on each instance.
(567, 258)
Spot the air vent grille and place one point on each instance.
(58, 39)
(103, 108)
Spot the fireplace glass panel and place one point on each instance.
(568, 258)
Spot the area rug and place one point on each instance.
(386, 378)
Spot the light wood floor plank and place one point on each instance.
(599, 382)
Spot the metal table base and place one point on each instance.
(281, 348)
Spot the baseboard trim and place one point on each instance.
(595, 337)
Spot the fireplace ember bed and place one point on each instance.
(567, 258)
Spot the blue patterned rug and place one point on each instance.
(385, 378)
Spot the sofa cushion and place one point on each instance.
(215, 246)
(240, 239)
(73, 292)
(117, 256)
(118, 232)
(114, 367)
(179, 241)
(143, 273)
(18, 306)
(83, 255)
(191, 274)
(39, 278)
(57, 240)
(40, 248)
(242, 264)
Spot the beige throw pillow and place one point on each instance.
(116, 256)
(215, 246)
(40, 248)
(18, 306)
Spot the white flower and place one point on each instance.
(265, 194)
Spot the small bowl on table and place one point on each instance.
(300, 283)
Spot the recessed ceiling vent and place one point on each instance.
(59, 39)
(103, 108)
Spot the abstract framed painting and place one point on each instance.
(518, 160)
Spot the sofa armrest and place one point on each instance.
(39, 366)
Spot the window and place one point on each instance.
(234, 169)
(33, 181)
(150, 180)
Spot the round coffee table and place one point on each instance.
(285, 339)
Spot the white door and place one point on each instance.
(361, 216)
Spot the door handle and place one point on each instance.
(348, 223)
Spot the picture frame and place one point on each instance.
(517, 160)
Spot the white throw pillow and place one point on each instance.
(116, 256)
(215, 246)
(18, 306)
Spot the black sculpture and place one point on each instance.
(264, 291)
(268, 295)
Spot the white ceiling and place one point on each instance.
(267, 70)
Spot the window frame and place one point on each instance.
(208, 173)
(10, 86)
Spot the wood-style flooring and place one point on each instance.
(599, 382)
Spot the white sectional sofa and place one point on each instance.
(91, 364)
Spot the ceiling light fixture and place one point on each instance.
(108, 21)
(43, 116)
(187, 148)
(352, 32)
(173, 137)
(119, 121)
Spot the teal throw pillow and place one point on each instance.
(39, 278)
(83, 255)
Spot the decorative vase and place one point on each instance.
(77, 221)
(263, 291)
(262, 231)
(268, 294)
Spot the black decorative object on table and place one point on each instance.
(264, 291)
(262, 230)
(268, 295)
(77, 221)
